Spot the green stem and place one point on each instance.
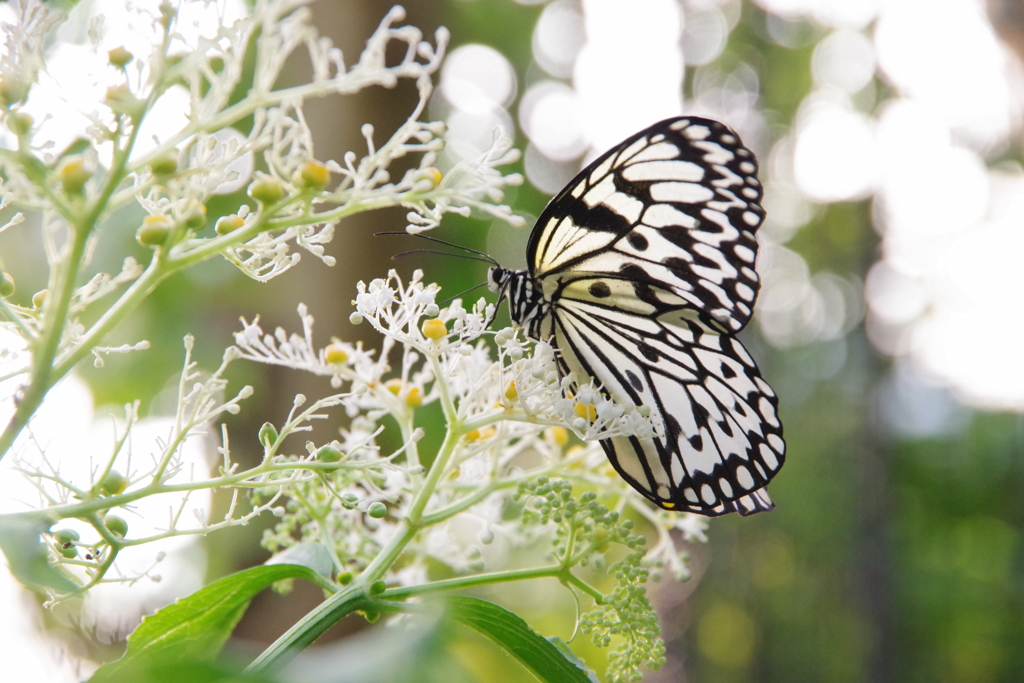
(309, 628)
(463, 583)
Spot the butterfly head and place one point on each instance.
(497, 277)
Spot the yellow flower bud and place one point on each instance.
(394, 386)
(414, 399)
(435, 329)
(335, 355)
(587, 412)
(73, 174)
(314, 175)
(511, 393)
(560, 435)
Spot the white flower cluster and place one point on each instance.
(509, 416)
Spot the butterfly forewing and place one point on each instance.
(675, 205)
(642, 268)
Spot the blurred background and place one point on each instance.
(890, 319)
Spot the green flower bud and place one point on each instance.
(268, 434)
(19, 123)
(378, 510)
(65, 536)
(12, 90)
(120, 57)
(266, 191)
(226, 224)
(345, 578)
(74, 173)
(69, 551)
(117, 525)
(328, 454)
(349, 501)
(378, 587)
(196, 218)
(154, 231)
(40, 297)
(6, 285)
(121, 101)
(114, 483)
(165, 164)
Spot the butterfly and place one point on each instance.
(640, 273)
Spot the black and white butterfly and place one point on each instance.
(640, 272)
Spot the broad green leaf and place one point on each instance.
(196, 627)
(516, 637)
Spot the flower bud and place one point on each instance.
(560, 435)
(121, 101)
(414, 399)
(335, 354)
(266, 191)
(268, 434)
(328, 454)
(356, 318)
(154, 231)
(114, 483)
(165, 164)
(6, 285)
(65, 537)
(586, 411)
(226, 224)
(12, 90)
(511, 393)
(40, 297)
(435, 329)
(120, 57)
(377, 510)
(196, 218)
(117, 525)
(73, 174)
(378, 587)
(19, 123)
(314, 175)
(69, 551)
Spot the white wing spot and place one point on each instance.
(776, 442)
(751, 218)
(728, 139)
(745, 292)
(744, 478)
(765, 408)
(726, 487)
(662, 215)
(708, 494)
(688, 193)
(769, 457)
(747, 167)
(690, 495)
(744, 253)
(664, 170)
(697, 132)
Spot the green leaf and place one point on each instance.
(516, 637)
(196, 627)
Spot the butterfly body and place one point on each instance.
(639, 273)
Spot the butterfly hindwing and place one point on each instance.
(722, 437)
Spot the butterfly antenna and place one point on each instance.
(453, 298)
(439, 253)
(488, 258)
